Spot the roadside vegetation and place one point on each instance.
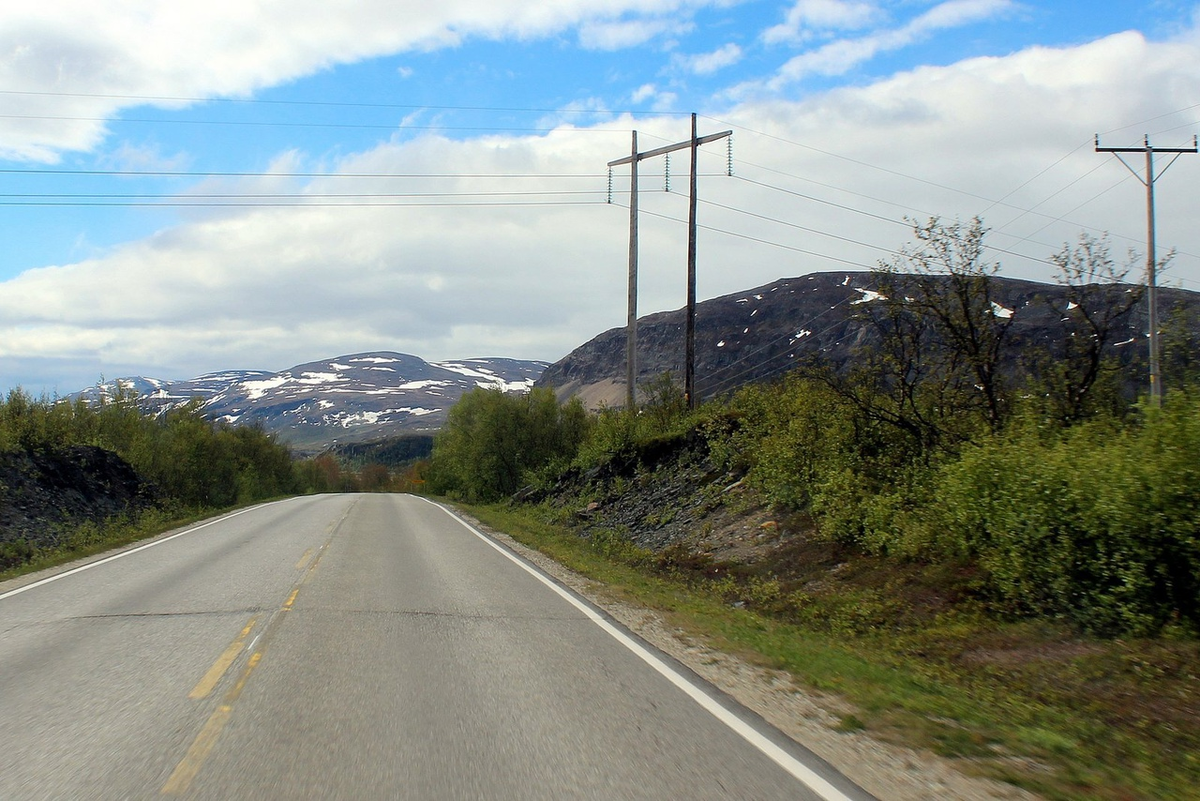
(991, 554)
(183, 468)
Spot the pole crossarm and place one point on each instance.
(631, 325)
(659, 151)
(1195, 148)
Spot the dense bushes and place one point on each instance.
(1095, 523)
(495, 442)
(192, 462)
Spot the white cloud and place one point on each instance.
(128, 156)
(841, 55)
(807, 15)
(621, 34)
(273, 287)
(708, 63)
(643, 93)
(660, 100)
(231, 48)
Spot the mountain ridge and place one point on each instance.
(348, 398)
(761, 333)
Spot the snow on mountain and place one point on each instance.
(345, 399)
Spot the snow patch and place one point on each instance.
(868, 295)
(256, 389)
(319, 378)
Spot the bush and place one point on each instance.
(1097, 525)
(494, 442)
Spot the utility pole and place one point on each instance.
(1151, 256)
(631, 325)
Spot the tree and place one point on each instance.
(1098, 304)
(947, 281)
(494, 442)
(930, 358)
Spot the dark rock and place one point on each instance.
(42, 492)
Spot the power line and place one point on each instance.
(1151, 257)
(235, 174)
(327, 103)
(300, 205)
(315, 125)
(294, 195)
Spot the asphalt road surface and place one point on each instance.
(355, 646)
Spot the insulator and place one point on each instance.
(667, 173)
(610, 185)
(729, 155)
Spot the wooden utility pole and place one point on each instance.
(631, 325)
(689, 370)
(1151, 255)
(631, 321)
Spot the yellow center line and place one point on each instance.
(304, 559)
(187, 769)
(217, 671)
(189, 766)
(181, 778)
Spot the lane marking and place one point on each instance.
(189, 767)
(304, 559)
(132, 551)
(180, 780)
(801, 772)
(215, 673)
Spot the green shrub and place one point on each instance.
(1098, 525)
(494, 442)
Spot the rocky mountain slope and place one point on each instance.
(352, 398)
(761, 333)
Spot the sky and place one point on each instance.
(253, 184)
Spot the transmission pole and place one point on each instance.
(631, 325)
(1151, 256)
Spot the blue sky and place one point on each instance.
(185, 183)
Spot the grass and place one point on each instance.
(90, 538)
(1027, 702)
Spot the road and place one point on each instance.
(355, 646)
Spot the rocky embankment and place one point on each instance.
(43, 494)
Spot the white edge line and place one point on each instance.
(806, 775)
(107, 559)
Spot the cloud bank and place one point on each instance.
(822, 182)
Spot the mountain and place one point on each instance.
(761, 333)
(354, 398)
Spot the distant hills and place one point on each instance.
(353, 398)
(754, 335)
(760, 334)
